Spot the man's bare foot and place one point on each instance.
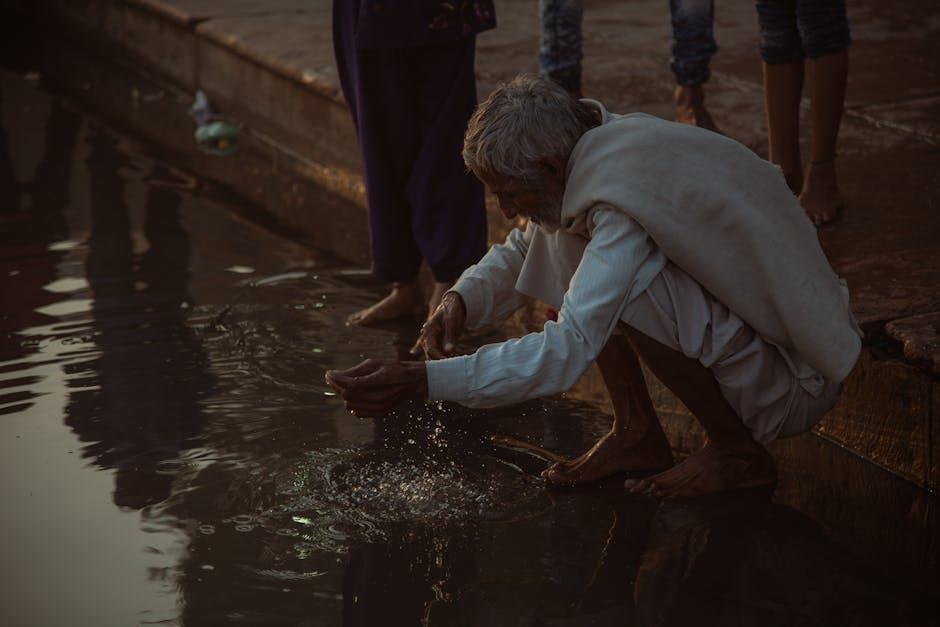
(820, 196)
(616, 452)
(404, 299)
(690, 107)
(437, 293)
(712, 469)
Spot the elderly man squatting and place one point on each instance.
(717, 282)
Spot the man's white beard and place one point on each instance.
(549, 216)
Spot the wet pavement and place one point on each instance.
(170, 454)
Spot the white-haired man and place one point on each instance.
(715, 280)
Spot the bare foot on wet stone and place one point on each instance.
(711, 470)
(613, 454)
(403, 300)
(820, 196)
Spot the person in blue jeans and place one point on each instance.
(693, 46)
(560, 48)
(796, 35)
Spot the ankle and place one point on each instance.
(820, 175)
(828, 158)
(405, 289)
(737, 445)
(689, 96)
(628, 435)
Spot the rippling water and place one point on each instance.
(165, 416)
(171, 455)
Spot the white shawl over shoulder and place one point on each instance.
(728, 219)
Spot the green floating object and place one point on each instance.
(218, 138)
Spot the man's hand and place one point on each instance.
(440, 333)
(376, 385)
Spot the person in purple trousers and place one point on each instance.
(406, 69)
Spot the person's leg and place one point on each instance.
(731, 459)
(782, 54)
(825, 32)
(374, 84)
(560, 48)
(693, 45)
(448, 213)
(636, 442)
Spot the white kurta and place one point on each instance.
(774, 393)
(605, 273)
(689, 237)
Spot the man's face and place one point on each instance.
(540, 203)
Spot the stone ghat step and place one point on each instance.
(269, 66)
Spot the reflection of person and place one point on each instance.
(399, 584)
(689, 268)
(406, 69)
(49, 191)
(790, 31)
(150, 373)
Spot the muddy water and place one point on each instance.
(169, 453)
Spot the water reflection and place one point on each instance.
(740, 559)
(32, 216)
(407, 582)
(139, 401)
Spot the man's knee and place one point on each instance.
(810, 412)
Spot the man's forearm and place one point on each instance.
(488, 288)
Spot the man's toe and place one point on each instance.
(557, 476)
(636, 486)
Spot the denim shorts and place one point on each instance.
(793, 29)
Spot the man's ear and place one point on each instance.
(553, 168)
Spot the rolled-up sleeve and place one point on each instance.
(551, 361)
(488, 288)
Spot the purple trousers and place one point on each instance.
(411, 107)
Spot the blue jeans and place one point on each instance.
(792, 29)
(560, 49)
(692, 41)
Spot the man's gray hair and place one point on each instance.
(520, 122)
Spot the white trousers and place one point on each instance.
(775, 394)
